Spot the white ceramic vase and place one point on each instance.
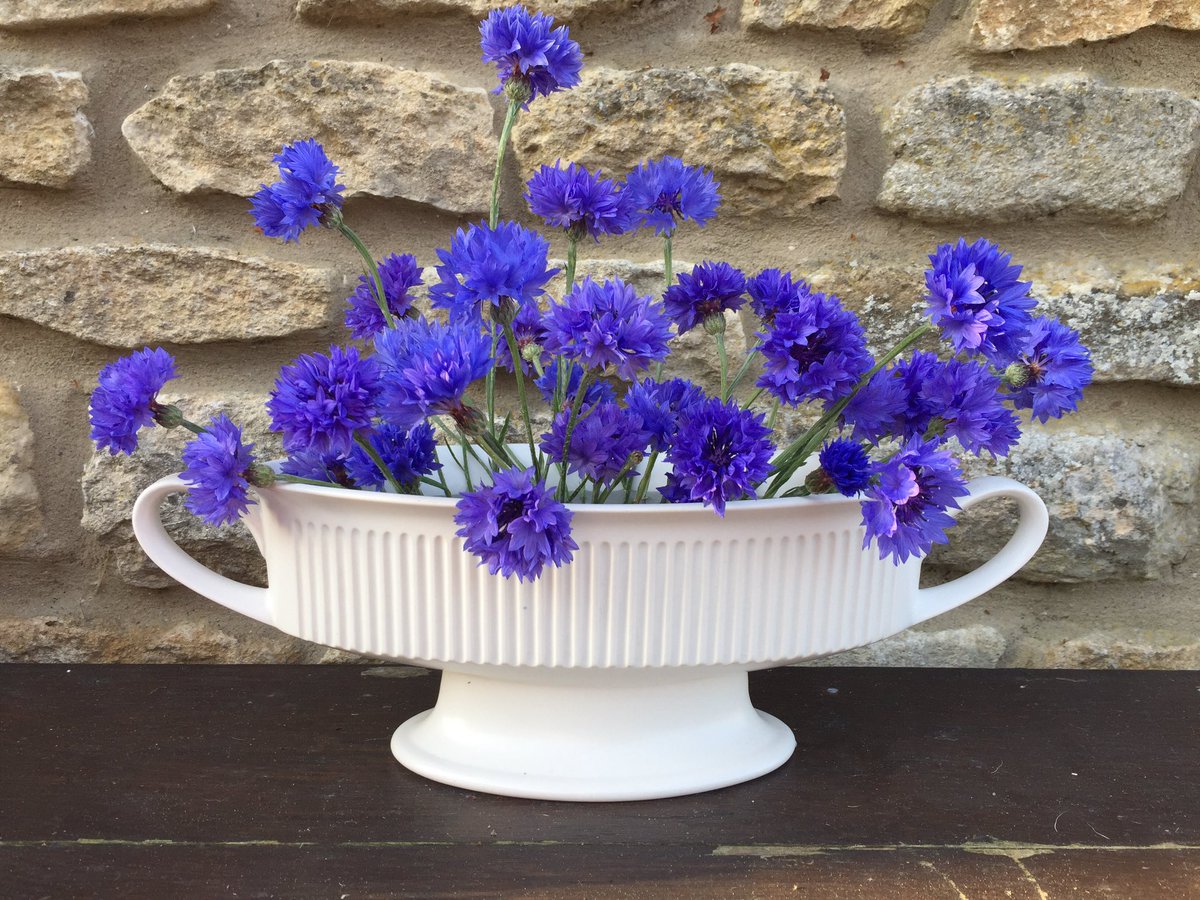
(622, 676)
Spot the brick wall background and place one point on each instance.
(850, 137)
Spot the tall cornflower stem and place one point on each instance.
(741, 373)
(489, 380)
(774, 411)
(510, 117)
(788, 460)
(380, 464)
(518, 371)
(644, 484)
(572, 419)
(601, 496)
(723, 355)
(296, 479)
(572, 252)
(168, 415)
(372, 268)
(668, 270)
(466, 445)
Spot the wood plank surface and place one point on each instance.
(266, 781)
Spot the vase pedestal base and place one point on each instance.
(593, 734)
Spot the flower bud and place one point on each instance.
(819, 482)
(168, 415)
(504, 311)
(714, 323)
(532, 353)
(1017, 375)
(260, 475)
(518, 90)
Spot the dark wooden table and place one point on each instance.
(276, 781)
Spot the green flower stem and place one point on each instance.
(490, 381)
(572, 419)
(296, 479)
(440, 485)
(723, 355)
(634, 459)
(442, 475)
(741, 373)
(774, 411)
(381, 465)
(668, 270)
(572, 252)
(372, 269)
(754, 398)
(514, 107)
(793, 457)
(578, 490)
(511, 338)
(644, 485)
(192, 426)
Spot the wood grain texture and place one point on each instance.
(277, 781)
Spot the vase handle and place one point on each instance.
(171, 558)
(1032, 524)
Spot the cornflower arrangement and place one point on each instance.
(362, 417)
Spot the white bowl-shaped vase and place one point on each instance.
(621, 676)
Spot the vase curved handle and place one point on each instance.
(1032, 524)
(171, 558)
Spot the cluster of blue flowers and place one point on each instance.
(371, 416)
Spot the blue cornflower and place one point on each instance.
(977, 301)
(126, 398)
(427, 368)
(484, 265)
(721, 453)
(316, 466)
(707, 291)
(321, 402)
(1051, 370)
(906, 510)
(578, 201)
(532, 57)
(845, 467)
(515, 525)
(964, 399)
(529, 327)
(664, 192)
(875, 411)
(663, 406)
(407, 454)
(304, 195)
(608, 324)
(604, 438)
(596, 391)
(772, 291)
(815, 350)
(217, 467)
(399, 274)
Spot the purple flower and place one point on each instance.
(846, 466)
(529, 327)
(427, 367)
(320, 402)
(485, 265)
(126, 398)
(977, 301)
(529, 52)
(407, 454)
(303, 196)
(515, 525)
(709, 290)
(906, 510)
(721, 453)
(578, 201)
(875, 411)
(815, 350)
(608, 324)
(664, 192)
(772, 291)
(316, 466)
(399, 274)
(964, 398)
(216, 466)
(1055, 368)
(663, 406)
(596, 391)
(604, 437)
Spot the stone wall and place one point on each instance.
(850, 137)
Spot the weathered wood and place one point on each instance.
(277, 781)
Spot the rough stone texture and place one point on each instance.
(112, 483)
(45, 138)
(871, 18)
(51, 639)
(1121, 505)
(394, 132)
(694, 354)
(974, 647)
(20, 505)
(1105, 650)
(976, 148)
(125, 296)
(21, 14)
(1002, 25)
(325, 12)
(774, 140)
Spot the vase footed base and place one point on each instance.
(593, 734)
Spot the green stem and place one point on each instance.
(572, 252)
(572, 418)
(741, 373)
(296, 479)
(774, 412)
(490, 381)
(192, 426)
(754, 398)
(514, 106)
(645, 482)
(668, 270)
(372, 270)
(380, 464)
(724, 357)
(511, 338)
(634, 459)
